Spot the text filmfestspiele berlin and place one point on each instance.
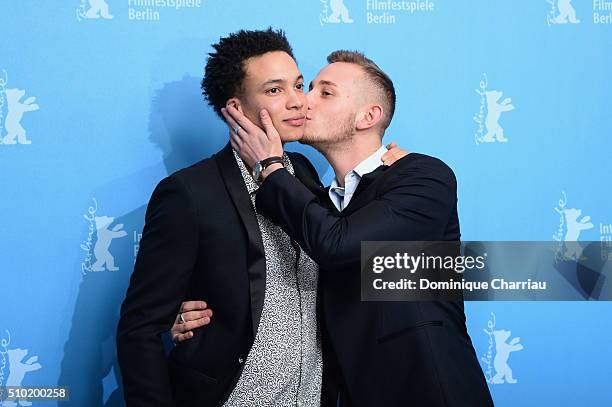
(151, 10)
(458, 264)
(386, 11)
(602, 12)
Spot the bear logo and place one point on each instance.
(339, 12)
(575, 226)
(567, 13)
(102, 246)
(97, 9)
(502, 353)
(18, 370)
(494, 111)
(16, 109)
(573, 250)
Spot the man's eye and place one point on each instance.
(325, 93)
(273, 91)
(299, 86)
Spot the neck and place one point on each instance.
(346, 155)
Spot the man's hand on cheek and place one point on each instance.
(251, 142)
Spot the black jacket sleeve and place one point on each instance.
(164, 264)
(415, 202)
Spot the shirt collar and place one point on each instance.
(337, 193)
(371, 163)
(368, 165)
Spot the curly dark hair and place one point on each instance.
(225, 70)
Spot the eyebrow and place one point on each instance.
(279, 81)
(322, 82)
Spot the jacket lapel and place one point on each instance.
(302, 173)
(256, 260)
(312, 182)
(359, 197)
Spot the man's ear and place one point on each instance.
(370, 117)
(235, 103)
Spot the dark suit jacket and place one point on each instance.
(201, 240)
(389, 353)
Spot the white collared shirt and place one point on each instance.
(342, 196)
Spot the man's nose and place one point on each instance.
(310, 99)
(296, 100)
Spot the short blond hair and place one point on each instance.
(378, 78)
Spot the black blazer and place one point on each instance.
(389, 353)
(201, 240)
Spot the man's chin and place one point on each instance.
(289, 137)
(307, 138)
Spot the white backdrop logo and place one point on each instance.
(18, 368)
(571, 225)
(137, 236)
(15, 108)
(561, 12)
(376, 11)
(4, 343)
(498, 354)
(104, 260)
(605, 237)
(137, 10)
(602, 12)
(93, 10)
(489, 114)
(334, 12)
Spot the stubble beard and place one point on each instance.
(335, 138)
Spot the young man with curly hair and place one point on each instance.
(204, 239)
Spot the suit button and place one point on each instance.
(240, 360)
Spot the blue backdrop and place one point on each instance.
(100, 99)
